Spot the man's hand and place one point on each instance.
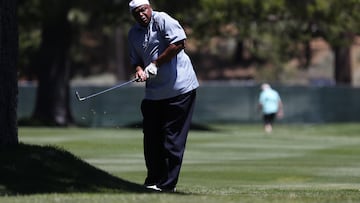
(151, 70)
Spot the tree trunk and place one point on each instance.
(342, 66)
(52, 67)
(122, 72)
(8, 73)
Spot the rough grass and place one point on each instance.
(223, 163)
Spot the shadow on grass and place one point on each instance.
(134, 125)
(193, 126)
(31, 169)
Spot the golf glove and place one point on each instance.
(151, 70)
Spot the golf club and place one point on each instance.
(106, 90)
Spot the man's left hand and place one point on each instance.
(151, 70)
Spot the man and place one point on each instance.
(271, 106)
(156, 44)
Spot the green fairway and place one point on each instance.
(227, 163)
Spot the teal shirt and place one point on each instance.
(269, 99)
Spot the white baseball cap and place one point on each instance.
(136, 3)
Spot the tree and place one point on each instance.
(8, 73)
(52, 65)
(275, 26)
(271, 30)
(337, 22)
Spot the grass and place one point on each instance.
(227, 163)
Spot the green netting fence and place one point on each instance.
(216, 103)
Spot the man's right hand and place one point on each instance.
(140, 74)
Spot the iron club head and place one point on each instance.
(78, 96)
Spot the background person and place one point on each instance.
(156, 44)
(271, 106)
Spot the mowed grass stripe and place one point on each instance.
(299, 158)
(232, 163)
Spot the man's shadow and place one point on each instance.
(32, 169)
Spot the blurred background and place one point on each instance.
(308, 50)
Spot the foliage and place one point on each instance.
(329, 18)
(100, 16)
(274, 28)
(29, 33)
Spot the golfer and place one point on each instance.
(156, 44)
(271, 105)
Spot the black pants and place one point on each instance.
(269, 118)
(166, 125)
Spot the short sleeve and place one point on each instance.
(170, 28)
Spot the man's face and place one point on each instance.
(142, 14)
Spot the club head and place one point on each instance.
(78, 96)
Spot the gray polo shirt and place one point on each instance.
(147, 43)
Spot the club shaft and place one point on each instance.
(109, 89)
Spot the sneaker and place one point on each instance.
(153, 187)
(156, 188)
